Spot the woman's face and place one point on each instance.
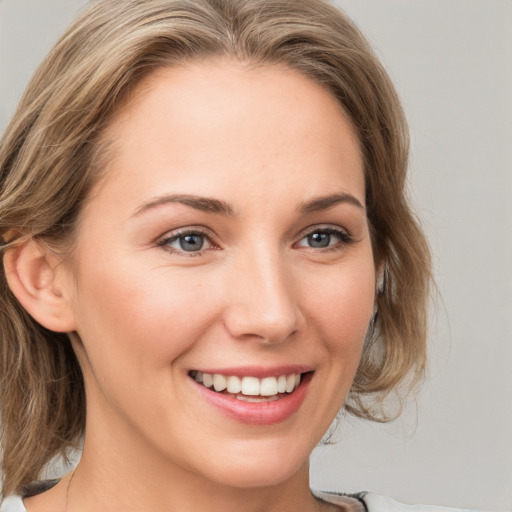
(229, 238)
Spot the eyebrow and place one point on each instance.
(211, 205)
(325, 202)
(205, 204)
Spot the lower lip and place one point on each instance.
(257, 413)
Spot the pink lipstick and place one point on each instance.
(254, 395)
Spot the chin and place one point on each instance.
(259, 466)
(253, 478)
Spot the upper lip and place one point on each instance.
(257, 371)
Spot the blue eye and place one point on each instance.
(324, 238)
(190, 241)
(319, 240)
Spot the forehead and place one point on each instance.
(206, 122)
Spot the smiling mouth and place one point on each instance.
(249, 389)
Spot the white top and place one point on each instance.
(377, 503)
(373, 503)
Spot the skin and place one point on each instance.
(265, 141)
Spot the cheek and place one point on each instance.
(341, 309)
(139, 318)
(339, 304)
(347, 296)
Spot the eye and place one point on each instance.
(189, 241)
(323, 238)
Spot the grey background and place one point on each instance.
(451, 61)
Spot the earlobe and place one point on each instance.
(380, 279)
(380, 286)
(37, 280)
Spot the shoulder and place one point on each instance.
(12, 504)
(378, 503)
(15, 503)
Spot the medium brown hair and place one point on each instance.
(51, 154)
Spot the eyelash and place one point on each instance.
(175, 236)
(344, 239)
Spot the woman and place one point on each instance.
(207, 253)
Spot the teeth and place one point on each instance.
(249, 386)
(281, 384)
(234, 385)
(290, 382)
(219, 382)
(257, 399)
(208, 380)
(268, 386)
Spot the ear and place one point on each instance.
(40, 283)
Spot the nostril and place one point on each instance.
(249, 322)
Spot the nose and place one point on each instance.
(262, 300)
